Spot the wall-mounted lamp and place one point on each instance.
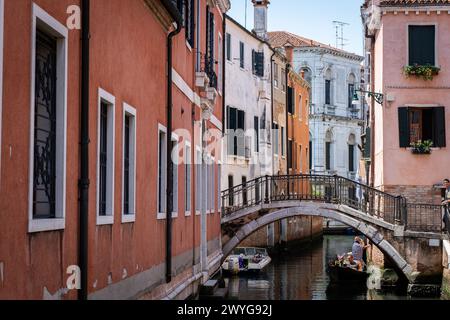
(379, 97)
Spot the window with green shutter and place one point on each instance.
(422, 124)
(422, 45)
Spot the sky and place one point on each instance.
(312, 19)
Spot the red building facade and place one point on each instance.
(128, 132)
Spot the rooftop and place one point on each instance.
(414, 3)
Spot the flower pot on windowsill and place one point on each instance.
(422, 147)
(426, 72)
(420, 151)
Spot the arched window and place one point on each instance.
(351, 89)
(351, 153)
(328, 78)
(328, 150)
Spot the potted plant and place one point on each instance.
(422, 147)
(426, 72)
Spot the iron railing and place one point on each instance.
(208, 65)
(332, 189)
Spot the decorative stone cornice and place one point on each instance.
(161, 14)
(224, 5)
(337, 53)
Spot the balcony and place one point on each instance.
(206, 80)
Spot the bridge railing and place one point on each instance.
(323, 188)
(332, 189)
(424, 217)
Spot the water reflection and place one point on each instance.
(301, 275)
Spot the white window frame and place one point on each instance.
(161, 215)
(176, 185)
(220, 65)
(2, 15)
(188, 161)
(219, 187)
(198, 181)
(42, 19)
(213, 185)
(129, 110)
(276, 137)
(104, 96)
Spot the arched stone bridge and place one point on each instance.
(408, 234)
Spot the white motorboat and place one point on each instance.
(246, 259)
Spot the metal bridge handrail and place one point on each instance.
(330, 188)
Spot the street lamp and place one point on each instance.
(379, 97)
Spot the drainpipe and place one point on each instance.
(169, 190)
(224, 62)
(288, 67)
(271, 97)
(372, 113)
(84, 150)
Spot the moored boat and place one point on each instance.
(246, 259)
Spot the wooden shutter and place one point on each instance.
(253, 61)
(260, 63)
(422, 45)
(241, 54)
(403, 124)
(439, 137)
(228, 38)
(290, 102)
(240, 137)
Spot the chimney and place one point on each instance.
(289, 53)
(260, 24)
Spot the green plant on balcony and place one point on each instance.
(426, 72)
(422, 147)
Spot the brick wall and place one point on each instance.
(415, 194)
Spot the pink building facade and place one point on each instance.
(405, 37)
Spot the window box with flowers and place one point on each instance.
(426, 72)
(421, 147)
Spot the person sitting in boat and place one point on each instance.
(358, 250)
(354, 264)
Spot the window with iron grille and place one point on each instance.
(48, 123)
(190, 21)
(126, 167)
(45, 122)
(162, 171)
(129, 156)
(188, 180)
(103, 158)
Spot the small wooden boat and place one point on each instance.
(340, 270)
(346, 274)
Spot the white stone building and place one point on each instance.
(335, 123)
(248, 112)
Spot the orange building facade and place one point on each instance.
(128, 92)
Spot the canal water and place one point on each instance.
(300, 274)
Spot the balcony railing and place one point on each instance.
(208, 67)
